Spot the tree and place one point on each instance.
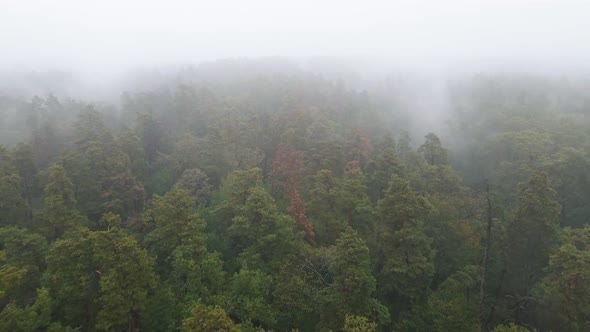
(386, 164)
(360, 149)
(353, 201)
(324, 207)
(214, 160)
(150, 133)
(568, 171)
(33, 317)
(100, 280)
(60, 214)
(249, 298)
(405, 257)
(565, 290)
(297, 210)
(11, 276)
(454, 305)
(24, 256)
(46, 143)
(358, 324)
(353, 285)
(260, 233)
(125, 276)
(130, 144)
(177, 238)
(90, 126)
(196, 183)
(22, 156)
(208, 319)
(432, 151)
(532, 233)
(530, 236)
(297, 289)
(285, 166)
(512, 328)
(238, 185)
(13, 208)
(120, 192)
(172, 221)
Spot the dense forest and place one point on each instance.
(225, 198)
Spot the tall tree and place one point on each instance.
(432, 150)
(353, 285)
(59, 213)
(100, 280)
(530, 236)
(196, 183)
(323, 207)
(405, 257)
(565, 289)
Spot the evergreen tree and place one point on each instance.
(405, 258)
(352, 287)
(60, 214)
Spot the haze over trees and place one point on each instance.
(295, 201)
(263, 165)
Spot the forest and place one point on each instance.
(241, 196)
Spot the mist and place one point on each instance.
(97, 37)
(294, 166)
(101, 46)
(404, 52)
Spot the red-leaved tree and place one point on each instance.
(285, 166)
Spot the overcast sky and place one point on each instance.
(73, 34)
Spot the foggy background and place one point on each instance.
(100, 37)
(95, 50)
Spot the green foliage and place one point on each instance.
(202, 217)
(172, 221)
(297, 292)
(566, 281)
(206, 318)
(511, 328)
(405, 266)
(386, 164)
(60, 214)
(249, 298)
(352, 287)
(454, 305)
(358, 324)
(532, 233)
(11, 276)
(432, 151)
(323, 207)
(99, 279)
(197, 184)
(29, 318)
(353, 203)
(160, 182)
(130, 144)
(263, 235)
(13, 207)
(23, 262)
(120, 192)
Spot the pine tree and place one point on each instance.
(405, 258)
(60, 214)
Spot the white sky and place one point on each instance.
(73, 34)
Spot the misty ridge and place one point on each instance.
(333, 166)
(402, 97)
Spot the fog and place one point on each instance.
(303, 165)
(95, 50)
(99, 37)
